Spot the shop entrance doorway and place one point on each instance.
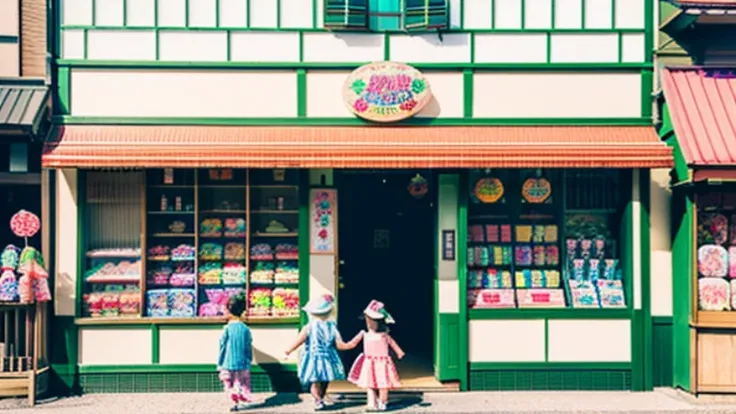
(386, 252)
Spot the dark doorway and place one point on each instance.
(386, 252)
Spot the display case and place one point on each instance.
(518, 221)
(113, 267)
(189, 244)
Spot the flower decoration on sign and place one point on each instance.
(386, 92)
(418, 186)
(488, 190)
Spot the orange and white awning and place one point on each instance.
(110, 146)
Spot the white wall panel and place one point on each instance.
(661, 242)
(602, 340)
(76, 12)
(141, 13)
(10, 18)
(324, 94)
(538, 14)
(192, 46)
(263, 14)
(249, 47)
(556, 95)
(201, 345)
(506, 341)
(115, 346)
(109, 12)
(172, 13)
(183, 93)
(568, 14)
(632, 47)
(630, 14)
(511, 48)
(72, 44)
(428, 48)
(66, 236)
(320, 13)
(233, 13)
(598, 14)
(455, 14)
(343, 47)
(448, 98)
(121, 45)
(478, 14)
(9, 60)
(507, 14)
(203, 13)
(296, 14)
(581, 47)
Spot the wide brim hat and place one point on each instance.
(320, 306)
(376, 310)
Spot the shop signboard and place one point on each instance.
(448, 245)
(323, 217)
(386, 92)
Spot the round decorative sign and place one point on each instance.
(536, 190)
(488, 190)
(386, 92)
(418, 186)
(25, 224)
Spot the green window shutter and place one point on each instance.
(346, 14)
(422, 15)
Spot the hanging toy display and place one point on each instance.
(33, 285)
(418, 186)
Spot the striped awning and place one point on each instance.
(357, 147)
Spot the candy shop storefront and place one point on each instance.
(704, 228)
(518, 254)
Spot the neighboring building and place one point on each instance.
(512, 186)
(24, 124)
(698, 121)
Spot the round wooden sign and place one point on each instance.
(386, 92)
(488, 190)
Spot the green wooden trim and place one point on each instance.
(176, 368)
(155, 344)
(81, 239)
(63, 353)
(546, 339)
(196, 324)
(301, 93)
(436, 320)
(386, 47)
(513, 366)
(9, 39)
(567, 313)
(661, 320)
(667, 133)
(192, 327)
(148, 64)
(304, 251)
(186, 13)
(278, 14)
(645, 338)
(620, 47)
(647, 89)
(462, 257)
(649, 29)
(683, 247)
(468, 97)
(92, 120)
(301, 46)
(63, 91)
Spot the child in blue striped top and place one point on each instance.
(236, 354)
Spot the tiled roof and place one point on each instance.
(702, 106)
(357, 147)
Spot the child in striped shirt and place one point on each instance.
(236, 354)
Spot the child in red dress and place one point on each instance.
(374, 370)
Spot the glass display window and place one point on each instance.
(544, 238)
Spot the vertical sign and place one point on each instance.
(323, 221)
(448, 245)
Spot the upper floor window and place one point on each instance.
(386, 15)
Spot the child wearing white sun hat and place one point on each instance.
(319, 363)
(374, 370)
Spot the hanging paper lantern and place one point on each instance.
(418, 186)
(25, 224)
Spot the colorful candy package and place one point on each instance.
(181, 302)
(158, 303)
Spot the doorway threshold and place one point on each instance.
(417, 376)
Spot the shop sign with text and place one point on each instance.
(386, 92)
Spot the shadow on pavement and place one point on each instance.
(277, 400)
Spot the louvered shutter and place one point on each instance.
(346, 14)
(425, 15)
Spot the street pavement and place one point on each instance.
(659, 401)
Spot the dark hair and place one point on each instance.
(236, 305)
(381, 325)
